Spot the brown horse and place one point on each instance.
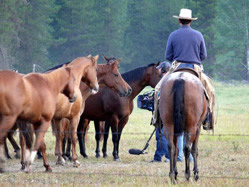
(106, 105)
(31, 98)
(183, 108)
(107, 74)
(84, 69)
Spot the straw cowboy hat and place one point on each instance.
(185, 14)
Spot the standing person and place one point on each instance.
(186, 49)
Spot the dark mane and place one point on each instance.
(135, 74)
(56, 67)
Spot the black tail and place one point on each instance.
(178, 105)
(27, 131)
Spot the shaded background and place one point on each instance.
(50, 32)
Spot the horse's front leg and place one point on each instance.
(59, 135)
(13, 142)
(115, 136)
(121, 125)
(81, 132)
(106, 134)
(97, 137)
(74, 124)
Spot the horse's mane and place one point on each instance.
(58, 66)
(136, 74)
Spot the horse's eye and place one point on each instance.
(116, 75)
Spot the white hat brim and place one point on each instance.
(178, 17)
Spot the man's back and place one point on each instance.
(186, 45)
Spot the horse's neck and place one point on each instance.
(57, 79)
(78, 70)
(102, 71)
(137, 87)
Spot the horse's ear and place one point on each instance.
(118, 60)
(89, 56)
(95, 59)
(106, 58)
(158, 63)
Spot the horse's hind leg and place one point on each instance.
(187, 154)
(13, 143)
(6, 149)
(6, 123)
(106, 134)
(194, 152)
(59, 134)
(45, 160)
(68, 148)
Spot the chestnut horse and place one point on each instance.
(31, 98)
(84, 69)
(108, 74)
(183, 108)
(106, 105)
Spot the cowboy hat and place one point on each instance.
(185, 14)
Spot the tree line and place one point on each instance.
(50, 32)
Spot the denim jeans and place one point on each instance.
(162, 147)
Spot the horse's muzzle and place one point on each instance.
(73, 99)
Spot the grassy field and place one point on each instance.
(223, 157)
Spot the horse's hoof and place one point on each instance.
(196, 177)
(17, 155)
(22, 168)
(48, 169)
(105, 155)
(117, 159)
(27, 169)
(61, 161)
(76, 164)
(97, 155)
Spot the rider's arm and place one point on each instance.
(169, 50)
(203, 50)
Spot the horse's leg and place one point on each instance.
(13, 143)
(97, 138)
(74, 124)
(171, 148)
(121, 125)
(194, 152)
(6, 149)
(45, 160)
(81, 131)
(106, 134)
(187, 155)
(115, 136)
(58, 124)
(40, 132)
(6, 123)
(68, 150)
(175, 156)
(22, 143)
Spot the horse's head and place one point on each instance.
(154, 74)
(69, 88)
(90, 77)
(112, 77)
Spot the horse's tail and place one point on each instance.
(27, 131)
(178, 106)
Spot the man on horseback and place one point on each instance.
(186, 49)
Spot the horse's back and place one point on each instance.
(194, 98)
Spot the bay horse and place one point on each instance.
(84, 69)
(107, 74)
(31, 98)
(106, 105)
(183, 108)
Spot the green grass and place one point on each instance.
(223, 158)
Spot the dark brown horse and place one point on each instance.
(107, 74)
(31, 98)
(106, 105)
(183, 108)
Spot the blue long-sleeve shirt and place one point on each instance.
(186, 45)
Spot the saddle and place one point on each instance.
(187, 68)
